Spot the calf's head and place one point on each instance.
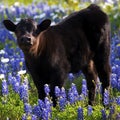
(26, 31)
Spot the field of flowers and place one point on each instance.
(18, 95)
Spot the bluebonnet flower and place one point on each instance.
(46, 89)
(63, 93)
(37, 111)
(17, 11)
(74, 90)
(84, 87)
(118, 84)
(18, 78)
(112, 111)
(113, 69)
(62, 103)
(80, 114)
(10, 36)
(46, 113)
(44, 109)
(34, 117)
(15, 84)
(117, 61)
(118, 116)
(41, 104)
(48, 104)
(118, 100)
(23, 92)
(24, 117)
(118, 70)
(118, 49)
(106, 97)
(71, 77)
(73, 94)
(98, 87)
(104, 115)
(114, 80)
(81, 97)
(27, 109)
(7, 13)
(3, 35)
(5, 62)
(4, 87)
(10, 79)
(71, 97)
(57, 91)
(90, 110)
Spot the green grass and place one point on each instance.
(11, 2)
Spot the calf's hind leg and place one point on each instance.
(102, 64)
(91, 77)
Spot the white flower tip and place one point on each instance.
(4, 60)
(2, 76)
(21, 72)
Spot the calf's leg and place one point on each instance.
(91, 77)
(102, 64)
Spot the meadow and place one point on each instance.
(18, 95)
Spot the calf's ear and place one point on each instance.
(9, 25)
(44, 24)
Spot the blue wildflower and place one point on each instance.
(23, 92)
(27, 109)
(118, 70)
(48, 104)
(84, 87)
(57, 91)
(81, 97)
(45, 115)
(104, 115)
(24, 117)
(118, 116)
(45, 108)
(74, 91)
(71, 77)
(118, 100)
(98, 87)
(37, 111)
(106, 97)
(90, 110)
(4, 87)
(7, 13)
(10, 78)
(41, 104)
(118, 84)
(34, 117)
(62, 103)
(15, 84)
(114, 80)
(46, 89)
(17, 11)
(3, 35)
(80, 114)
(63, 93)
(71, 96)
(112, 111)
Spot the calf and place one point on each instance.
(81, 41)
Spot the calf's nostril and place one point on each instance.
(22, 40)
(29, 39)
(25, 40)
